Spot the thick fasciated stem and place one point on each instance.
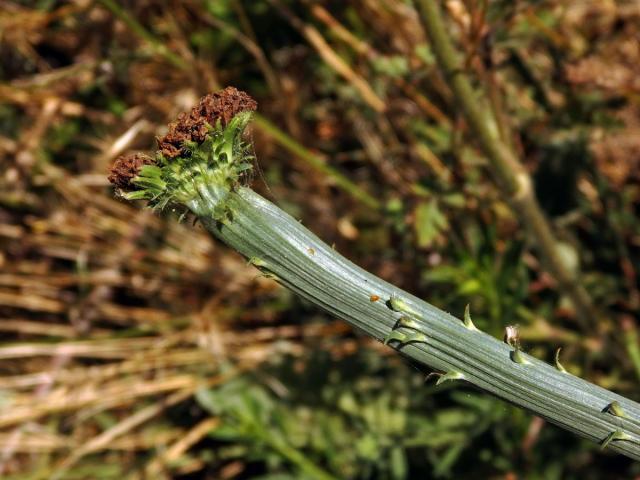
(282, 248)
(200, 166)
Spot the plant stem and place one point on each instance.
(205, 177)
(310, 469)
(510, 174)
(331, 58)
(316, 162)
(286, 251)
(139, 30)
(632, 342)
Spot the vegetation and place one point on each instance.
(137, 347)
(199, 166)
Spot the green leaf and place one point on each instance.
(429, 223)
(398, 463)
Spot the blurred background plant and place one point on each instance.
(143, 349)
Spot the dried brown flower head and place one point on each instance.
(126, 168)
(219, 106)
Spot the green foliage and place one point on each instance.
(429, 223)
(358, 421)
(393, 66)
(495, 280)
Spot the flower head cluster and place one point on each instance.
(200, 159)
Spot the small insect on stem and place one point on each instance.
(374, 298)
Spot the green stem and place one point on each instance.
(310, 469)
(510, 174)
(316, 162)
(205, 177)
(632, 342)
(139, 30)
(282, 248)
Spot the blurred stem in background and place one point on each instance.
(313, 36)
(316, 162)
(142, 32)
(509, 172)
(363, 48)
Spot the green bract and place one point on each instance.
(202, 177)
